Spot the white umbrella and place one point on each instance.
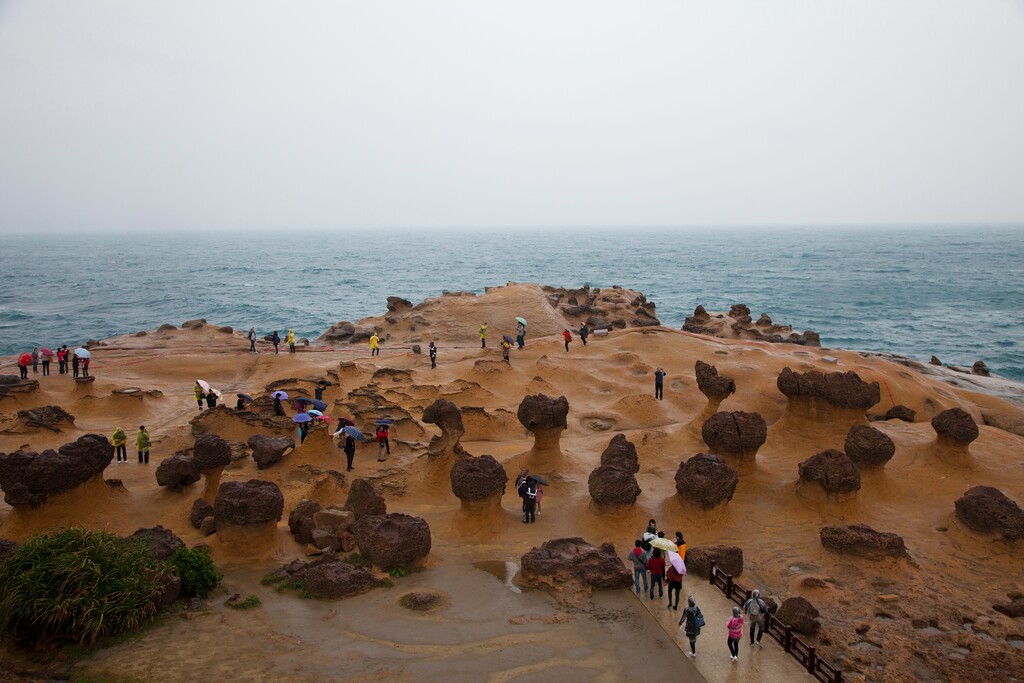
(677, 561)
(204, 384)
(82, 353)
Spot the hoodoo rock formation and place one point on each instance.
(211, 455)
(955, 428)
(478, 482)
(868, 447)
(989, 510)
(364, 500)
(29, 478)
(832, 395)
(253, 503)
(863, 541)
(267, 451)
(833, 470)
(571, 567)
(736, 433)
(613, 483)
(738, 324)
(706, 480)
(448, 418)
(393, 541)
(715, 387)
(177, 472)
(545, 418)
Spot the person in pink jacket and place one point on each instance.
(735, 627)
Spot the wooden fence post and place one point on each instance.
(838, 678)
(712, 572)
(812, 658)
(787, 639)
(728, 586)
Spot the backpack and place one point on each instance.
(700, 619)
(756, 607)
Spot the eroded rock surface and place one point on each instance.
(448, 418)
(29, 478)
(162, 542)
(736, 433)
(364, 500)
(838, 389)
(336, 579)
(177, 472)
(45, 417)
(393, 540)
(863, 541)
(833, 470)
(300, 520)
(268, 451)
(621, 453)
(249, 503)
(799, 613)
(706, 480)
(728, 558)
(987, 509)
(868, 447)
(478, 478)
(211, 452)
(573, 564)
(715, 387)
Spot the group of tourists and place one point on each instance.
(43, 356)
(142, 444)
(275, 339)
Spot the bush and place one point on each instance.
(195, 568)
(79, 585)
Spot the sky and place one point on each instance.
(251, 115)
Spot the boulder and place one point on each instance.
(267, 451)
(162, 542)
(334, 520)
(863, 541)
(339, 331)
(613, 486)
(177, 472)
(420, 601)
(935, 361)
(166, 327)
(249, 503)
(838, 389)
(392, 541)
(193, 324)
(364, 501)
(956, 426)
(300, 520)
(211, 452)
(728, 559)
(45, 417)
(13, 384)
(621, 453)
(900, 412)
(987, 509)
(200, 511)
(868, 447)
(713, 386)
(325, 539)
(574, 564)
(209, 526)
(29, 478)
(445, 415)
(979, 368)
(337, 579)
(706, 480)
(545, 417)
(833, 470)
(800, 614)
(1013, 609)
(397, 304)
(735, 433)
(478, 478)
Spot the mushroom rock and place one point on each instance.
(335, 579)
(364, 500)
(735, 433)
(863, 541)
(573, 565)
(393, 540)
(826, 395)
(866, 446)
(478, 482)
(300, 520)
(987, 509)
(29, 478)
(621, 453)
(211, 455)
(447, 416)
(268, 451)
(162, 542)
(545, 417)
(45, 417)
(611, 486)
(201, 509)
(979, 368)
(177, 472)
(13, 384)
(716, 388)
(955, 427)
(728, 558)
(833, 470)
(800, 614)
(706, 480)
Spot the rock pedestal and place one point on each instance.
(448, 418)
(834, 472)
(247, 513)
(545, 418)
(613, 483)
(955, 429)
(478, 483)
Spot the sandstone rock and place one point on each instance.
(979, 368)
(267, 451)
(29, 478)
(333, 580)
(729, 559)
(445, 415)
(334, 520)
(1013, 609)
(393, 540)
(866, 446)
(226, 329)
(706, 480)
(863, 541)
(162, 542)
(540, 413)
(739, 311)
(208, 526)
(364, 501)
(339, 331)
(478, 478)
(193, 324)
(735, 433)
(211, 452)
(166, 327)
(573, 563)
(838, 389)
(764, 321)
(85, 380)
(711, 385)
(13, 384)
(833, 470)
(935, 361)
(200, 511)
(612, 486)
(248, 503)
(900, 412)
(621, 453)
(987, 509)
(45, 417)
(325, 539)
(420, 601)
(300, 520)
(397, 304)
(177, 472)
(955, 425)
(800, 614)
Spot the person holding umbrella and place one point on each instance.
(85, 361)
(303, 421)
(211, 398)
(520, 333)
(46, 355)
(278, 408)
(24, 360)
(199, 391)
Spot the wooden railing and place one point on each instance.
(782, 633)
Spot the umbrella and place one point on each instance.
(343, 421)
(676, 561)
(283, 395)
(46, 352)
(204, 384)
(521, 321)
(507, 338)
(319, 405)
(216, 392)
(323, 418)
(82, 353)
(353, 432)
(314, 413)
(539, 479)
(25, 358)
(385, 421)
(664, 544)
(245, 397)
(303, 399)
(302, 417)
(521, 477)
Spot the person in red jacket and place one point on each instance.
(567, 336)
(656, 566)
(675, 585)
(24, 360)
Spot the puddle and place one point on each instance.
(502, 571)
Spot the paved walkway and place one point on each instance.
(766, 663)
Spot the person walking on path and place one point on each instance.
(35, 360)
(505, 348)
(584, 333)
(675, 584)
(432, 352)
(520, 335)
(755, 609)
(199, 394)
(46, 358)
(656, 566)
(275, 340)
(735, 628)
(691, 621)
(483, 336)
(252, 340)
(374, 345)
(142, 444)
(23, 362)
(62, 360)
(659, 384)
(350, 450)
(120, 441)
(75, 362)
(290, 340)
(566, 337)
(639, 566)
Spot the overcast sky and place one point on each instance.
(128, 115)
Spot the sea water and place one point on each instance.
(955, 292)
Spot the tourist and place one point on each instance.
(240, 404)
(755, 609)
(350, 450)
(120, 441)
(85, 366)
(142, 444)
(483, 336)
(374, 345)
(691, 621)
(659, 384)
(505, 348)
(35, 360)
(540, 495)
(652, 530)
(198, 392)
(584, 333)
(23, 362)
(382, 442)
(566, 337)
(290, 340)
(252, 340)
(520, 335)
(75, 362)
(211, 399)
(62, 360)
(303, 430)
(47, 356)
(278, 408)
(432, 352)
(275, 340)
(656, 566)
(528, 492)
(318, 392)
(639, 566)
(675, 583)
(735, 628)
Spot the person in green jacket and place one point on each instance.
(120, 440)
(142, 444)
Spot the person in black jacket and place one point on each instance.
(691, 622)
(350, 450)
(432, 351)
(528, 492)
(275, 340)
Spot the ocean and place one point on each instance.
(955, 292)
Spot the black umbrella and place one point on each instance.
(539, 479)
(245, 397)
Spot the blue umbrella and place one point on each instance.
(319, 405)
(302, 417)
(385, 421)
(353, 432)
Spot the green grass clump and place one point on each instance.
(249, 603)
(78, 585)
(195, 568)
(397, 572)
(272, 578)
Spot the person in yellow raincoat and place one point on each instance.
(199, 394)
(290, 341)
(483, 336)
(374, 345)
(142, 444)
(120, 440)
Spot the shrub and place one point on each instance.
(79, 585)
(195, 568)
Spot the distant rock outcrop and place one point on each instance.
(987, 509)
(162, 542)
(736, 433)
(833, 470)
(900, 412)
(737, 324)
(573, 566)
(29, 478)
(868, 447)
(863, 541)
(334, 579)
(393, 541)
(706, 480)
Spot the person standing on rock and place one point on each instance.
(735, 628)
(691, 621)
(275, 340)
(200, 395)
(252, 340)
(520, 335)
(639, 566)
(505, 348)
(659, 384)
(120, 441)
(142, 444)
(483, 336)
(318, 392)
(584, 333)
(211, 399)
(85, 366)
(290, 340)
(62, 360)
(755, 609)
(75, 362)
(432, 352)
(46, 358)
(382, 442)
(23, 362)
(350, 450)
(528, 492)
(35, 360)
(566, 337)
(374, 345)
(656, 566)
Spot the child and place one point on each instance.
(142, 444)
(656, 566)
(735, 627)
